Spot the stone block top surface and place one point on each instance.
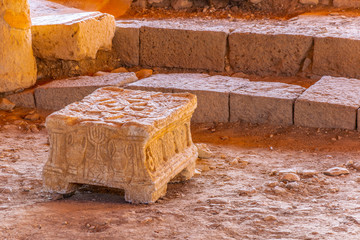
(65, 18)
(134, 113)
(334, 90)
(192, 82)
(112, 79)
(270, 90)
(307, 25)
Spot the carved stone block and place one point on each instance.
(133, 140)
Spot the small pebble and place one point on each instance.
(279, 190)
(289, 177)
(308, 173)
(271, 184)
(32, 117)
(270, 218)
(144, 73)
(336, 171)
(119, 70)
(101, 73)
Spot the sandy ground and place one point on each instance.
(226, 199)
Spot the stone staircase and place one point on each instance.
(308, 46)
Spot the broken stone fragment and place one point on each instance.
(336, 171)
(16, 47)
(73, 36)
(6, 105)
(203, 150)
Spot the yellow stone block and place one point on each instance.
(72, 36)
(17, 62)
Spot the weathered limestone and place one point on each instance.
(59, 93)
(336, 57)
(347, 3)
(264, 102)
(212, 92)
(23, 99)
(329, 103)
(17, 62)
(268, 54)
(134, 140)
(183, 47)
(73, 36)
(126, 44)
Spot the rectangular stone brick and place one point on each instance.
(59, 93)
(23, 99)
(72, 36)
(347, 3)
(337, 57)
(126, 44)
(330, 103)
(212, 92)
(264, 102)
(268, 54)
(183, 48)
(133, 140)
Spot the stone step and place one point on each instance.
(308, 45)
(212, 92)
(329, 103)
(326, 104)
(59, 93)
(305, 45)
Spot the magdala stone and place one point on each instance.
(182, 46)
(128, 139)
(59, 93)
(212, 92)
(72, 36)
(264, 102)
(268, 53)
(18, 66)
(330, 103)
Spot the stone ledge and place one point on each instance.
(329, 103)
(212, 92)
(264, 102)
(58, 94)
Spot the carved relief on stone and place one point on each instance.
(134, 140)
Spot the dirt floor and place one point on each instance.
(236, 194)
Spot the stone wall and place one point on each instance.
(251, 5)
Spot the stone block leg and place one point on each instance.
(59, 184)
(185, 174)
(144, 194)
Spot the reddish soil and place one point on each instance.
(225, 200)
